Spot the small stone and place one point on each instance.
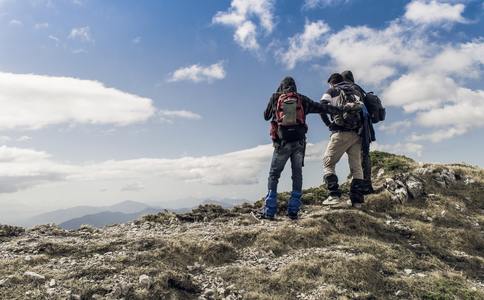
(398, 293)
(408, 271)
(380, 173)
(208, 293)
(28, 258)
(52, 283)
(50, 291)
(421, 275)
(145, 281)
(34, 276)
(3, 282)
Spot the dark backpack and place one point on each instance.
(350, 101)
(290, 122)
(375, 107)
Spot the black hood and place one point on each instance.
(348, 76)
(287, 85)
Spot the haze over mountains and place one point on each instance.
(99, 216)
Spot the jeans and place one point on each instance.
(282, 152)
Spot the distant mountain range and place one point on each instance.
(106, 218)
(63, 215)
(99, 216)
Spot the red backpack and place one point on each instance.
(290, 121)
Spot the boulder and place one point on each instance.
(415, 187)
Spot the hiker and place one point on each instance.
(345, 127)
(287, 110)
(367, 136)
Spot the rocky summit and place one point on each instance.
(420, 236)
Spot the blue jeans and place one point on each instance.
(282, 152)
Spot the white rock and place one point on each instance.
(50, 291)
(145, 281)
(52, 283)
(408, 271)
(415, 187)
(469, 180)
(380, 173)
(34, 276)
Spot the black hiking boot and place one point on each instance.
(292, 215)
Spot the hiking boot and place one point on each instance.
(293, 205)
(356, 205)
(292, 215)
(263, 216)
(332, 200)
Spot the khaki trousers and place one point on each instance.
(341, 142)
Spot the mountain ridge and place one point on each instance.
(420, 236)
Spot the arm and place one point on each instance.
(312, 107)
(326, 99)
(269, 112)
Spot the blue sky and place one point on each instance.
(161, 101)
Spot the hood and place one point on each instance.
(287, 85)
(348, 76)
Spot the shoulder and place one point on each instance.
(332, 92)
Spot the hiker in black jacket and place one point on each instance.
(287, 110)
(367, 136)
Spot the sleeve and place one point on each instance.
(312, 107)
(269, 112)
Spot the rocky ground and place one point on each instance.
(419, 237)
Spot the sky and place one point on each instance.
(161, 101)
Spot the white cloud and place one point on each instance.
(431, 12)
(395, 127)
(136, 40)
(310, 4)
(305, 46)
(241, 15)
(439, 135)
(463, 60)
(79, 51)
(417, 91)
(373, 55)
(6, 139)
(41, 25)
(400, 148)
(467, 111)
(169, 115)
(198, 73)
(24, 138)
(82, 34)
(15, 23)
(24, 168)
(133, 187)
(54, 38)
(34, 101)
